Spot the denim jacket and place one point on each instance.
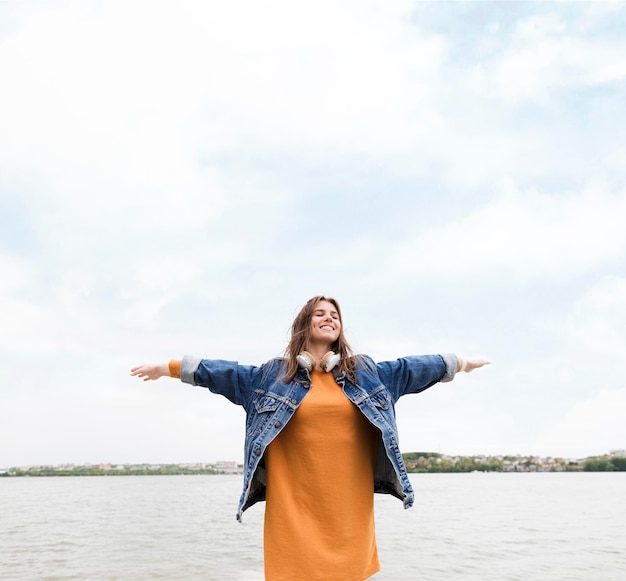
(270, 404)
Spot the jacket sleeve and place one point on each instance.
(416, 373)
(235, 382)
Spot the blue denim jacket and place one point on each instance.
(270, 404)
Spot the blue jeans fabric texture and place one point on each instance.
(270, 403)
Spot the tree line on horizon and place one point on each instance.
(416, 463)
(433, 462)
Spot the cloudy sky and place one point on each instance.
(180, 177)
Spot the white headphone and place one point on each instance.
(307, 361)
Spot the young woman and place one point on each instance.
(321, 438)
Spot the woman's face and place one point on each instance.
(325, 324)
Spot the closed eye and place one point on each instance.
(323, 314)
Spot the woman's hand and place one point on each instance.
(151, 371)
(468, 365)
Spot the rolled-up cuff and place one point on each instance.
(188, 368)
(452, 364)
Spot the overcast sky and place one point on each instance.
(180, 177)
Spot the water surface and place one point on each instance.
(479, 526)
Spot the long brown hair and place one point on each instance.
(301, 333)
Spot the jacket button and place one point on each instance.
(294, 402)
(277, 425)
(257, 452)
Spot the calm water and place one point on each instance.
(504, 527)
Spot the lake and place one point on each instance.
(478, 526)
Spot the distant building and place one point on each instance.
(227, 467)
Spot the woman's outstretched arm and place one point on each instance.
(235, 382)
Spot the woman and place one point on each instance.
(321, 438)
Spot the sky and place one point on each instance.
(181, 177)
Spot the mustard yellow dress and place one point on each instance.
(319, 513)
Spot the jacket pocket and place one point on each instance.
(381, 398)
(266, 404)
(263, 410)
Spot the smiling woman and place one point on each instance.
(314, 333)
(325, 323)
(321, 439)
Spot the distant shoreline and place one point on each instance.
(416, 463)
(431, 462)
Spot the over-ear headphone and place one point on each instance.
(307, 361)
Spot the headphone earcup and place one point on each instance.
(330, 360)
(306, 360)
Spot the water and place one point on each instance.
(494, 526)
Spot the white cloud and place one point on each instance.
(523, 236)
(133, 117)
(270, 78)
(16, 273)
(591, 427)
(547, 54)
(616, 160)
(593, 329)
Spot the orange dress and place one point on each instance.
(319, 513)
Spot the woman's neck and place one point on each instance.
(318, 350)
